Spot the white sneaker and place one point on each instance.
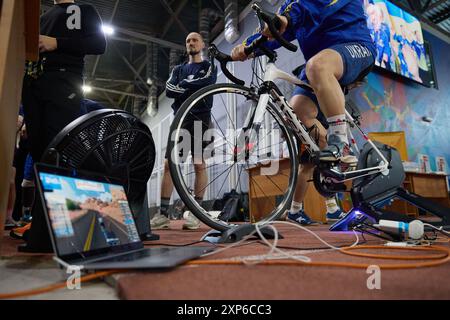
(159, 221)
(192, 223)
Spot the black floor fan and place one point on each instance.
(113, 143)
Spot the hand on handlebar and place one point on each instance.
(273, 26)
(283, 25)
(238, 53)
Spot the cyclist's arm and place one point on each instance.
(173, 90)
(289, 35)
(294, 13)
(196, 84)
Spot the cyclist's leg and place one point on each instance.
(304, 175)
(327, 71)
(306, 108)
(323, 72)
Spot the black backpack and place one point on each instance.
(233, 207)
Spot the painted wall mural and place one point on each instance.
(389, 103)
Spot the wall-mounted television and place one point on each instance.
(399, 40)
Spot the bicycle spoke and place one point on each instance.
(226, 110)
(211, 166)
(254, 181)
(214, 179)
(225, 180)
(282, 191)
(223, 134)
(193, 136)
(239, 179)
(230, 159)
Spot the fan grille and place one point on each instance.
(109, 142)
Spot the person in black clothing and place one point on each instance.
(23, 162)
(51, 92)
(185, 80)
(20, 154)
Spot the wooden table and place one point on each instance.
(428, 185)
(265, 189)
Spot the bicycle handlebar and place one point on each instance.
(273, 22)
(224, 59)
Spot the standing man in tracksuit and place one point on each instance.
(186, 79)
(51, 93)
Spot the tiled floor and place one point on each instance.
(18, 273)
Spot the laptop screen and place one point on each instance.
(87, 215)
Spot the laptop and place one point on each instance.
(92, 227)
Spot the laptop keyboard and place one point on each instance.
(133, 256)
(129, 257)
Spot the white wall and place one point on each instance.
(159, 126)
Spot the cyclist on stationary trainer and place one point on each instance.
(338, 49)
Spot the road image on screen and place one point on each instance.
(87, 215)
(398, 38)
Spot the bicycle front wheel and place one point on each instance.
(243, 172)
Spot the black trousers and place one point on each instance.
(50, 103)
(20, 155)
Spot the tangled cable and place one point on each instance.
(269, 259)
(432, 258)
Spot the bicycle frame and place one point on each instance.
(271, 74)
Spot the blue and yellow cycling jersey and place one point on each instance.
(320, 24)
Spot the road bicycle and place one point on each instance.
(255, 143)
